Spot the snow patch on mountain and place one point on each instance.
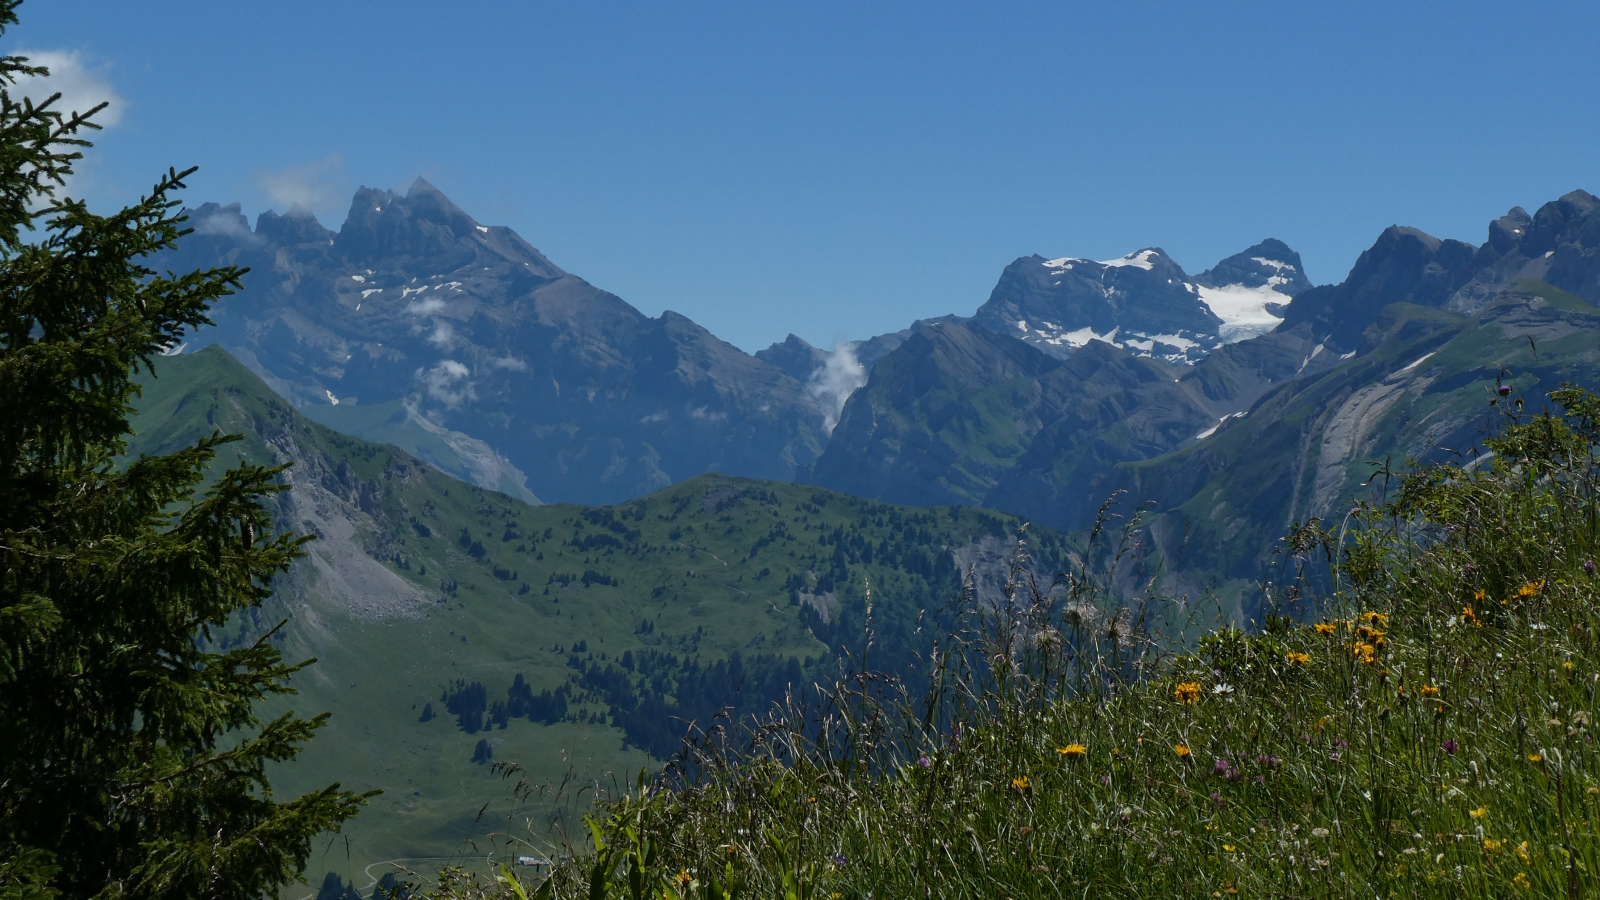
(1245, 311)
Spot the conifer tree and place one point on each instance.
(132, 760)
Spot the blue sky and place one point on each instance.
(838, 169)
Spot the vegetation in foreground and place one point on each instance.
(133, 754)
(1425, 728)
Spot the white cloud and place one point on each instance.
(441, 382)
(443, 335)
(836, 380)
(82, 86)
(315, 185)
(425, 307)
(508, 362)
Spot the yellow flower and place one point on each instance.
(1522, 851)
(1491, 844)
(1187, 692)
(683, 878)
(1229, 847)
(1366, 653)
(1568, 665)
(1180, 749)
(1326, 628)
(1429, 690)
(1020, 783)
(1520, 879)
(1298, 659)
(1470, 617)
(1072, 751)
(1478, 596)
(1369, 633)
(1479, 813)
(1531, 588)
(1380, 618)
(1535, 757)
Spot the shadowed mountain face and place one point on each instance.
(461, 342)
(1558, 245)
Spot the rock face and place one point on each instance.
(416, 325)
(1143, 302)
(1558, 245)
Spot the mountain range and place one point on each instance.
(415, 325)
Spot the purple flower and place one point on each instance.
(1588, 567)
(1505, 390)
(1449, 747)
(1216, 797)
(924, 763)
(1105, 779)
(1221, 768)
(1261, 779)
(1343, 745)
(839, 859)
(1268, 760)
(1235, 775)
(1334, 756)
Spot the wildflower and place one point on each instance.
(1478, 813)
(1221, 767)
(1568, 665)
(839, 859)
(1181, 750)
(1367, 632)
(1297, 659)
(1020, 782)
(1229, 847)
(1580, 719)
(1470, 617)
(1531, 588)
(1520, 879)
(1235, 775)
(1477, 596)
(1222, 688)
(1522, 851)
(1535, 757)
(1366, 653)
(1588, 567)
(1319, 832)
(1428, 690)
(1326, 628)
(1187, 692)
(1492, 844)
(1105, 779)
(683, 878)
(1380, 618)
(1072, 751)
(924, 763)
(1504, 390)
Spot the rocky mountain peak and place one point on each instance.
(1270, 263)
(297, 226)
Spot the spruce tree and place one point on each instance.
(132, 759)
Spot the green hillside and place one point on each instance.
(533, 632)
(1420, 389)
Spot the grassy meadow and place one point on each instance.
(1422, 726)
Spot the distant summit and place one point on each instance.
(414, 324)
(1143, 302)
